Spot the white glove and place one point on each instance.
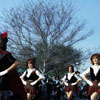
(89, 82)
(74, 83)
(33, 83)
(3, 72)
(98, 84)
(66, 83)
(24, 82)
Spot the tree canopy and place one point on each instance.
(45, 30)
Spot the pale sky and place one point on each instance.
(89, 10)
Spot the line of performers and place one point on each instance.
(23, 87)
(91, 76)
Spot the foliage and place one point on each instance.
(47, 30)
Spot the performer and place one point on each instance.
(57, 88)
(70, 80)
(94, 73)
(31, 78)
(9, 78)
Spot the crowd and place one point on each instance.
(32, 85)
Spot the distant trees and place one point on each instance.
(58, 59)
(45, 30)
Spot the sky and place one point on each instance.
(88, 10)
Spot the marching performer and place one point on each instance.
(31, 78)
(70, 80)
(94, 80)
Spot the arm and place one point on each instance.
(14, 65)
(33, 83)
(22, 78)
(75, 82)
(41, 77)
(9, 69)
(63, 80)
(83, 75)
(78, 80)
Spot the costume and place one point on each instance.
(71, 84)
(10, 80)
(94, 74)
(29, 79)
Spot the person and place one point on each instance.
(31, 78)
(57, 88)
(70, 80)
(92, 77)
(10, 82)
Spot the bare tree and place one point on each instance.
(42, 22)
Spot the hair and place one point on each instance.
(97, 55)
(71, 67)
(33, 60)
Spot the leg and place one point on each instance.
(28, 96)
(69, 95)
(94, 96)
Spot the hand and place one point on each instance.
(24, 82)
(74, 83)
(28, 83)
(33, 83)
(89, 82)
(66, 83)
(98, 84)
(62, 80)
(3, 72)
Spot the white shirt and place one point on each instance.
(29, 71)
(70, 76)
(87, 72)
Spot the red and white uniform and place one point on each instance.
(93, 74)
(71, 81)
(31, 76)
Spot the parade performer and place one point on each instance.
(57, 85)
(31, 78)
(70, 80)
(94, 80)
(9, 78)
